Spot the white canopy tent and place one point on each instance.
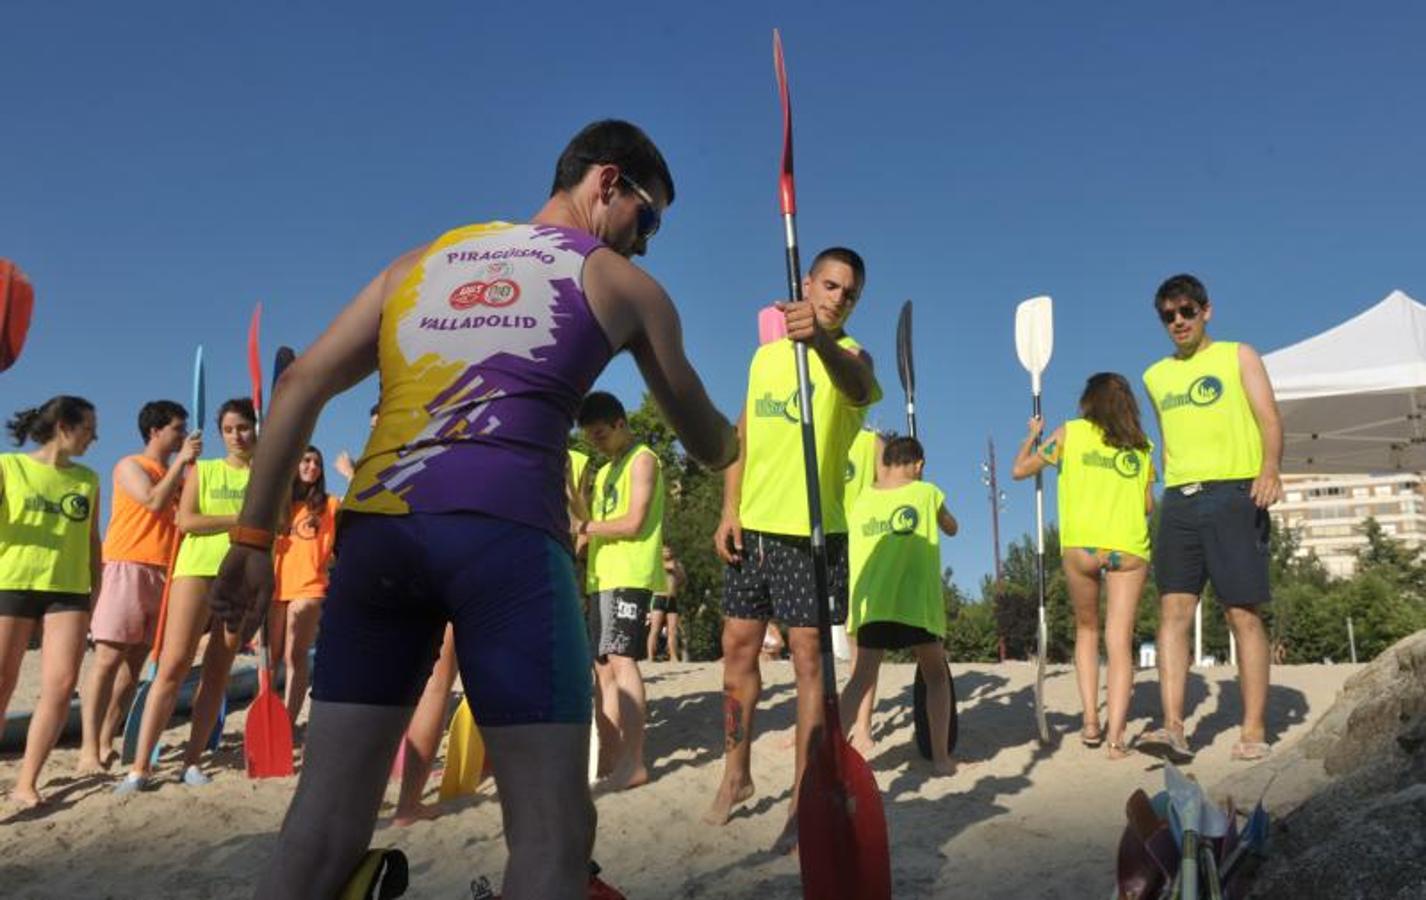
(1353, 397)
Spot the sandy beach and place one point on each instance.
(1016, 821)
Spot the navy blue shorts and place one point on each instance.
(775, 580)
(508, 589)
(1215, 534)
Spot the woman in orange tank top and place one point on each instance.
(302, 558)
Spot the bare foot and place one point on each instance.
(945, 767)
(787, 841)
(26, 798)
(625, 777)
(1116, 750)
(862, 743)
(422, 813)
(91, 765)
(724, 802)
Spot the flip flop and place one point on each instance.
(1091, 739)
(1251, 751)
(1166, 745)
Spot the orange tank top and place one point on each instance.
(136, 533)
(301, 556)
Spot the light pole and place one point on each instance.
(997, 504)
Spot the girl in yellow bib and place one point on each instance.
(49, 567)
(894, 553)
(1105, 496)
(207, 508)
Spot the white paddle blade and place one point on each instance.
(1035, 333)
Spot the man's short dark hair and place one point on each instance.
(850, 257)
(614, 142)
(157, 414)
(1181, 287)
(601, 408)
(902, 451)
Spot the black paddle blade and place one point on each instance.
(921, 719)
(284, 357)
(906, 364)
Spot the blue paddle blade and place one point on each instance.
(1255, 832)
(216, 736)
(199, 391)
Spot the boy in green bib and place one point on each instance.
(623, 572)
(894, 550)
(1106, 493)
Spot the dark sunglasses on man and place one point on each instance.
(649, 216)
(1189, 312)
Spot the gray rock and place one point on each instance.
(1362, 832)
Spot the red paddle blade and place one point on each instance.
(17, 303)
(841, 826)
(255, 360)
(267, 738)
(786, 187)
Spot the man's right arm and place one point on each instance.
(728, 539)
(155, 496)
(654, 336)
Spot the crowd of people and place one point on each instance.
(473, 541)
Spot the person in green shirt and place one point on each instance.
(764, 536)
(1222, 440)
(207, 507)
(894, 534)
(1106, 493)
(623, 572)
(49, 567)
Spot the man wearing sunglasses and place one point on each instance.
(1222, 441)
(486, 341)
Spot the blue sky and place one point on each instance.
(167, 165)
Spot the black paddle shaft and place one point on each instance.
(820, 579)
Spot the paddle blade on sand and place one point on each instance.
(841, 826)
(465, 756)
(17, 304)
(267, 740)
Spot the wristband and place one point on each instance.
(248, 536)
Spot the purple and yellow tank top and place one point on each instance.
(486, 350)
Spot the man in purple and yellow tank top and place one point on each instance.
(485, 340)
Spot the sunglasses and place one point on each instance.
(1189, 311)
(649, 216)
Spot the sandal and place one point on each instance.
(1251, 751)
(1091, 738)
(1166, 745)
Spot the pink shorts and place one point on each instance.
(127, 609)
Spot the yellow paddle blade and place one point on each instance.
(465, 756)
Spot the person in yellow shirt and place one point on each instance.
(302, 558)
(624, 571)
(1106, 493)
(138, 548)
(49, 567)
(894, 535)
(764, 536)
(1222, 440)
(207, 508)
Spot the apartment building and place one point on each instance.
(1328, 510)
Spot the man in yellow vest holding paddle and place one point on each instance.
(1222, 441)
(624, 571)
(764, 536)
